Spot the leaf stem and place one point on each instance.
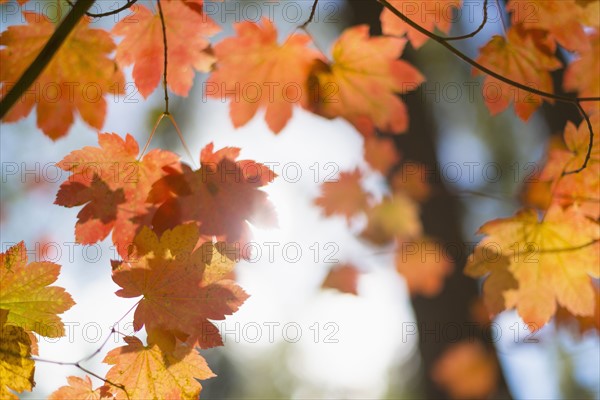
(165, 46)
(476, 31)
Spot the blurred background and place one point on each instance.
(292, 339)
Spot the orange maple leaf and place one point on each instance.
(187, 45)
(381, 154)
(584, 323)
(182, 286)
(77, 78)
(361, 83)
(160, 370)
(580, 77)
(428, 14)
(561, 18)
(254, 71)
(466, 370)
(32, 304)
(222, 196)
(343, 278)
(80, 389)
(582, 188)
(518, 58)
(534, 264)
(113, 186)
(345, 196)
(423, 265)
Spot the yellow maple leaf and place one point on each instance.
(161, 370)
(26, 294)
(394, 217)
(16, 365)
(533, 264)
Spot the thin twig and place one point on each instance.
(99, 349)
(108, 13)
(165, 49)
(311, 16)
(79, 366)
(476, 31)
(45, 56)
(591, 141)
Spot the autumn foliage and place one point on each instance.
(174, 225)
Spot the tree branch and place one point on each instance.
(43, 59)
(576, 101)
(480, 67)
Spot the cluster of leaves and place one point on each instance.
(175, 227)
(27, 304)
(393, 220)
(252, 58)
(544, 261)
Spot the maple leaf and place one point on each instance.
(222, 196)
(113, 187)
(395, 216)
(583, 187)
(518, 58)
(344, 197)
(361, 83)
(16, 365)
(160, 370)
(381, 154)
(428, 14)
(580, 77)
(534, 264)
(182, 286)
(466, 370)
(590, 12)
(187, 46)
(584, 323)
(76, 79)
(26, 294)
(254, 71)
(80, 389)
(343, 278)
(561, 18)
(423, 266)
(411, 180)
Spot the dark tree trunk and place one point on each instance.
(437, 317)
